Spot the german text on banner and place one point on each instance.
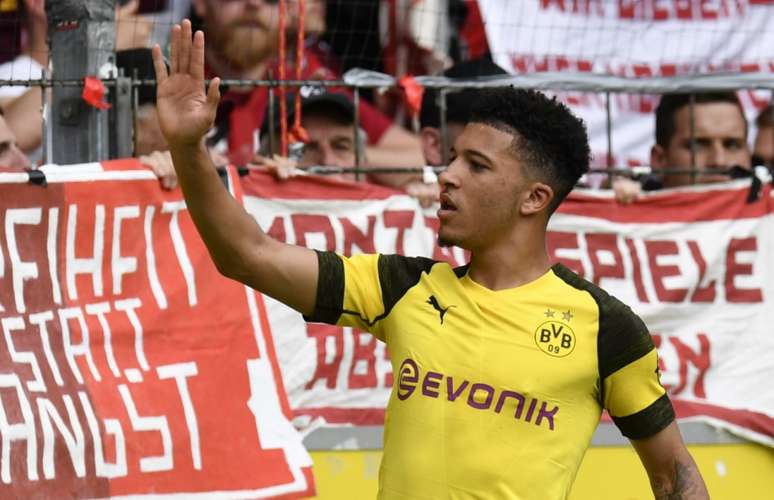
(130, 367)
(631, 39)
(694, 264)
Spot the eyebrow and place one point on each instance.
(478, 155)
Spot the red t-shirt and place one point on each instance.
(247, 110)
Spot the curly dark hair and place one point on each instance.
(551, 142)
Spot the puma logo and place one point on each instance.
(441, 310)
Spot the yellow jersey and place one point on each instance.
(496, 394)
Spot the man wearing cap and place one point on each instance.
(328, 119)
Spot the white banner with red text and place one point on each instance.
(130, 368)
(694, 264)
(631, 38)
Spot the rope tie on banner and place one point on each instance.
(283, 110)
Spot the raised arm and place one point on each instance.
(237, 245)
(672, 472)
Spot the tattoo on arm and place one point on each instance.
(684, 483)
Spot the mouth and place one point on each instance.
(447, 207)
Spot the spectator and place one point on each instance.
(242, 43)
(10, 154)
(458, 111)
(147, 135)
(719, 142)
(763, 148)
(328, 118)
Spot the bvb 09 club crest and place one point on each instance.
(555, 338)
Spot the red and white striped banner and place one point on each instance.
(129, 366)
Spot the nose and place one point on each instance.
(329, 157)
(449, 177)
(718, 157)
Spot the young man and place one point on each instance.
(719, 142)
(502, 366)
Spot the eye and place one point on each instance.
(477, 167)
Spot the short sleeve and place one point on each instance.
(361, 290)
(628, 366)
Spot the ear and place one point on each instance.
(658, 156)
(430, 138)
(536, 199)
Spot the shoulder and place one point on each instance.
(622, 336)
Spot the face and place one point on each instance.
(242, 32)
(482, 190)
(10, 154)
(764, 146)
(330, 143)
(720, 142)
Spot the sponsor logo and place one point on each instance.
(441, 310)
(476, 395)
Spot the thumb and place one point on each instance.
(213, 93)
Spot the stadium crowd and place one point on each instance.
(243, 43)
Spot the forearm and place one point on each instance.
(683, 482)
(396, 148)
(227, 230)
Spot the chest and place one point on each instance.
(539, 345)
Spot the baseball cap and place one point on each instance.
(335, 105)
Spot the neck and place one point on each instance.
(515, 261)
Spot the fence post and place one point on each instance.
(82, 40)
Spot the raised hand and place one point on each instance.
(185, 111)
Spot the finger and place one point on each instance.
(197, 56)
(169, 182)
(184, 60)
(174, 49)
(158, 65)
(213, 93)
(129, 9)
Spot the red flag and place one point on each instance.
(412, 93)
(94, 92)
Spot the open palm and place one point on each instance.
(186, 112)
